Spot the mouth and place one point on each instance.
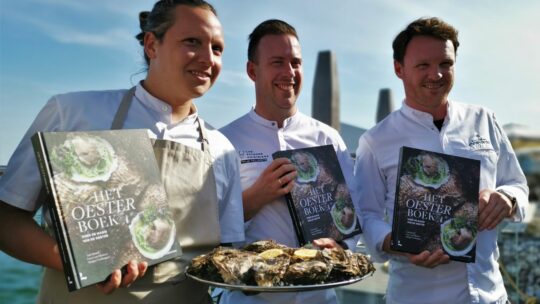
(202, 75)
(433, 85)
(285, 86)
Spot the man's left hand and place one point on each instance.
(493, 208)
(325, 243)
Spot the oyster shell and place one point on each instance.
(202, 266)
(307, 272)
(344, 264)
(233, 265)
(269, 269)
(260, 246)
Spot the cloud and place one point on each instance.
(116, 38)
(234, 78)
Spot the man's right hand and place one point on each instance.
(425, 258)
(275, 181)
(429, 259)
(119, 279)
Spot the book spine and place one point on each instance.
(395, 240)
(295, 219)
(55, 210)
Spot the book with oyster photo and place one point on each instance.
(106, 202)
(319, 203)
(436, 204)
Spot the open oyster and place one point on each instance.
(270, 268)
(307, 272)
(233, 265)
(260, 246)
(344, 264)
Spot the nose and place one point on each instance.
(436, 73)
(206, 56)
(289, 69)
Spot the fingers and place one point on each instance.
(131, 275)
(133, 271)
(429, 260)
(493, 208)
(110, 285)
(325, 243)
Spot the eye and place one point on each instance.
(422, 66)
(447, 64)
(218, 49)
(296, 63)
(191, 41)
(277, 62)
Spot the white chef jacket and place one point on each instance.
(255, 139)
(468, 131)
(82, 111)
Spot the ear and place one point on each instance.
(398, 69)
(250, 69)
(150, 42)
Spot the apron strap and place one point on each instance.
(203, 136)
(120, 117)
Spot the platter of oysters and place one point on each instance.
(267, 266)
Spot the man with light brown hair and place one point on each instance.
(424, 58)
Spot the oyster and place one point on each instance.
(264, 245)
(344, 264)
(307, 272)
(269, 269)
(233, 265)
(202, 266)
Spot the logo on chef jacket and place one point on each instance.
(478, 142)
(250, 156)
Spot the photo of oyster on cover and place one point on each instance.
(428, 170)
(320, 203)
(107, 202)
(267, 266)
(436, 204)
(306, 165)
(85, 158)
(153, 232)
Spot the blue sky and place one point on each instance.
(54, 46)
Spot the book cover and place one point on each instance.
(319, 203)
(436, 204)
(106, 201)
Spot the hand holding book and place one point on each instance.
(424, 258)
(123, 278)
(275, 181)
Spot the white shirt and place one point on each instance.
(82, 111)
(255, 139)
(468, 131)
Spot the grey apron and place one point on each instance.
(189, 180)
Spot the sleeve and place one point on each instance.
(231, 214)
(371, 189)
(510, 177)
(21, 184)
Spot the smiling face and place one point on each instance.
(187, 61)
(277, 73)
(427, 73)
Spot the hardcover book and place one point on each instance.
(319, 203)
(106, 201)
(436, 204)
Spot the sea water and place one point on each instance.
(19, 281)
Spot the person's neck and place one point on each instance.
(438, 113)
(180, 107)
(278, 116)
